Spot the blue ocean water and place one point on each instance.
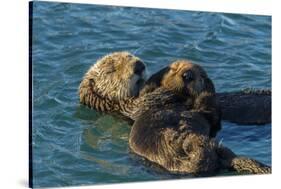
(73, 145)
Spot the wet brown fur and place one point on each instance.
(176, 134)
(174, 119)
(199, 89)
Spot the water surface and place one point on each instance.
(73, 145)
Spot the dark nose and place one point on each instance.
(139, 67)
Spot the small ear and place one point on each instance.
(93, 89)
(91, 80)
(91, 83)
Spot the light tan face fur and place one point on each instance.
(115, 75)
(175, 81)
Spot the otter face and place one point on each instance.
(187, 78)
(116, 76)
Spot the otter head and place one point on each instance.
(114, 77)
(186, 78)
(191, 81)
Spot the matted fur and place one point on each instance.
(176, 140)
(174, 132)
(173, 118)
(193, 91)
(110, 80)
(171, 78)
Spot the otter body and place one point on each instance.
(179, 141)
(177, 135)
(176, 139)
(170, 140)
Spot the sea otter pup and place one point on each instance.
(176, 135)
(190, 81)
(182, 86)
